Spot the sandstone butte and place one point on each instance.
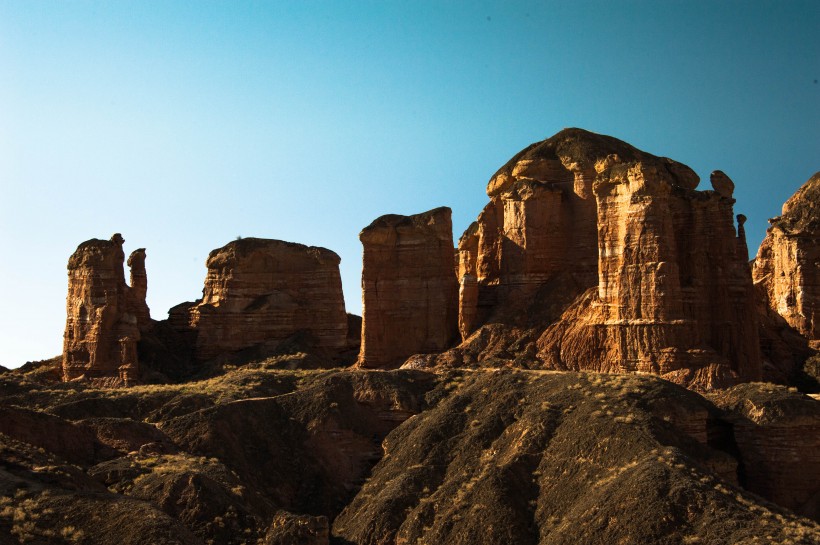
(409, 290)
(590, 255)
(259, 293)
(594, 255)
(787, 267)
(105, 316)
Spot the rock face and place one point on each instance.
(533, 247)
(787, 266)
(586, 459)
(259, 293)
(674, 295)
(105, 317)
(777, 433)
(593, 254)
(409, 289)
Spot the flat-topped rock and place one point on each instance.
(259, 293)
(409, 289)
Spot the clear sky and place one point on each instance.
(183, 125)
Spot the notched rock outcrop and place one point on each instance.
(593, 254)
(674, 294)
(105, 316)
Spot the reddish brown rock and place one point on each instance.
(536, 233)
(787, 266)
(409, 290)
(722, 184)
(105, 317)
(259, 293)
(674, 292)
(593, 254)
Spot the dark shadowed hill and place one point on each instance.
(263, 455)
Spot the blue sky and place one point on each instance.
(183, 125)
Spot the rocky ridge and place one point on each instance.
(262, 455)
(592, 257)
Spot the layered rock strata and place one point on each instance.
(105, 316)
(787, 266)
(259, 293)
(777, 433)
(409, 289)
(674, 294)
(593, 254)
(533, 247)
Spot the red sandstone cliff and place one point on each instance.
(105, 316)
(259, 293)
(593, 254)
(409, 290)
(674, 293)
(787, 266)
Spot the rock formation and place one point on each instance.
(787, 266)
(777, 433)
(105, 317)
(409, 289)
(371, 457)
(674, 293)
(533, 247)
(587, 458)
(593, 254)
(259, 293)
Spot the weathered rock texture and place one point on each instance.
(593, 254)
(262, 455)
(409, 289)
(674, 295)
(533, 248)
(777, 433)
(787, 266)
(105, 317)
(259, 293)
(559, 458)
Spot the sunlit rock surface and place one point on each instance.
(259, 293)
(409, 289)
(105, 316)
(787, 266)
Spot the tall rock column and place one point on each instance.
(139, 285)
(409, 288)
(532, 249)
(104, 315)
(787, 266)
